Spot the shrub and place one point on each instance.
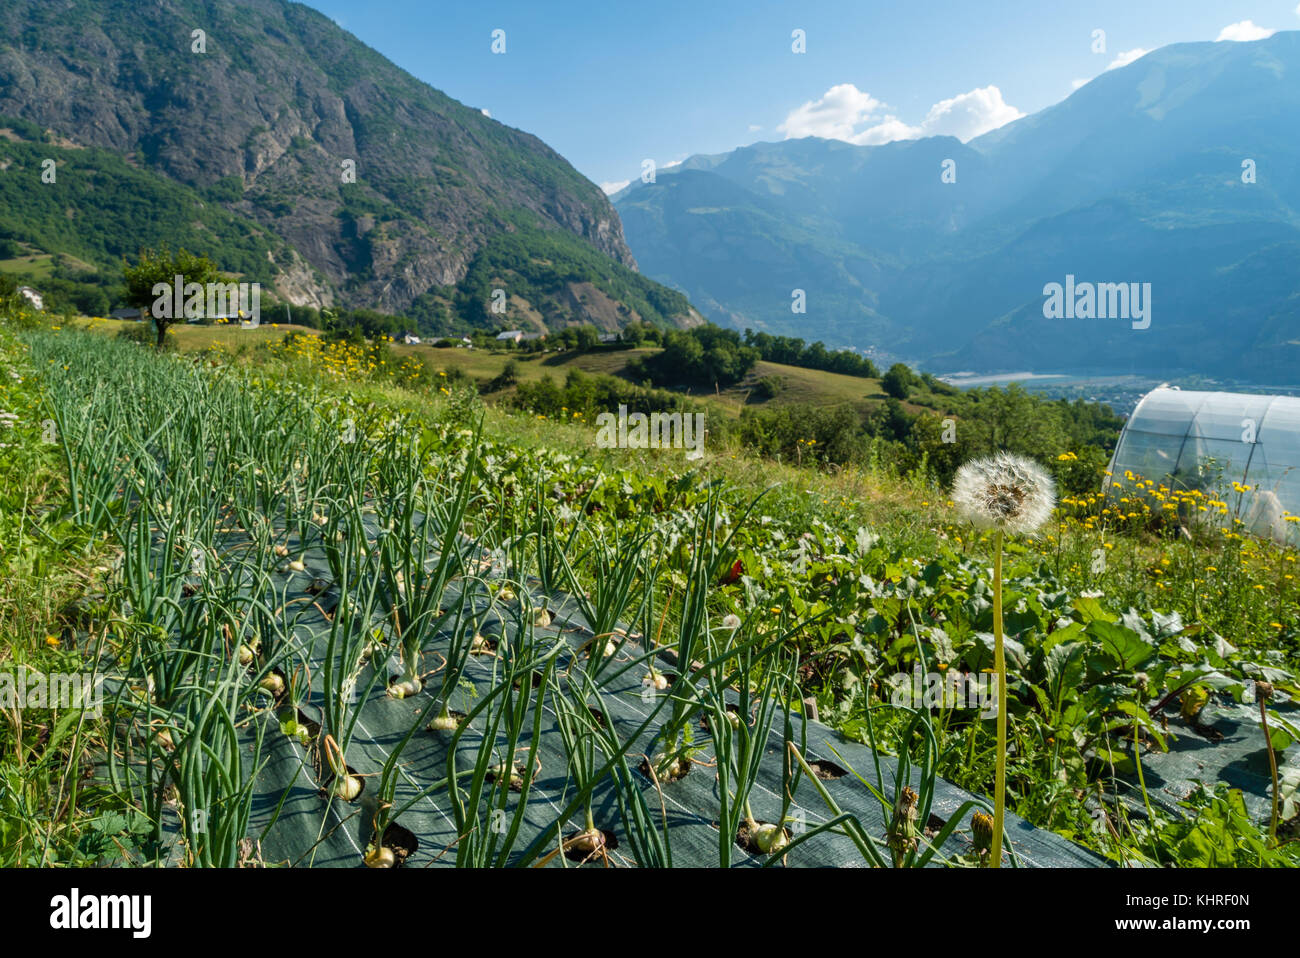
(144, 335)
(769, 387)
(899, 381)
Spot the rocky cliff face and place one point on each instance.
(386, 187)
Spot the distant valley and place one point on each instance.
(1179, 171)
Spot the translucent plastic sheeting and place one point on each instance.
(1207, 441)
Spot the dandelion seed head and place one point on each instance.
(1005, 492)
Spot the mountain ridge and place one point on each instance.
(1135, 176)
(263, 123)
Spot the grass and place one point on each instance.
(39, 265)
(47, 567)
(801, 385)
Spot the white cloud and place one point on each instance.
(671, 163)
(889, 128)
(486, 112)
(1127, 57)
(754, 128)
(968, 115)
(1244, 31)
(1075, 84)
(1297, 9)
(846, 113)
(835, 116)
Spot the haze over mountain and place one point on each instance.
(446, 204)
(1135, 178)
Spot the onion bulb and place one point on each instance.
(541, 618)
(515, 771)
(245, 655)
(446, 722)
(347, 787)
(769, 838)
(380, 856)
(273, 683)
(670, 768)
(587, 842)
(295, 729)
(405, 688)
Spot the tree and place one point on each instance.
(898, 381)
(161, 267)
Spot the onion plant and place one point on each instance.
(588, 765)
(762, 683)
(619, 576)
(215, 782)
(904, 809)
(347, 643)
(590, 740)
(411, 592)
(707, 557)
(465, 625)
(509, 709)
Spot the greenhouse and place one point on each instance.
(1239, 451)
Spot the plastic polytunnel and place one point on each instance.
(1239, 450)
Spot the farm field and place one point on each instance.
(38, 265)
(281, 559)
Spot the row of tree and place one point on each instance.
(792, 351)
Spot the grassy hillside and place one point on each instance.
(802, 385)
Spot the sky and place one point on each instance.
(610, 84)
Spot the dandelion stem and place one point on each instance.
(1000, 664)
(1272, 761)
(1142, 782)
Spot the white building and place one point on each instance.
(510, 335)
(33, 297)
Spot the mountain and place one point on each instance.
(265, 124)
(1137, 177)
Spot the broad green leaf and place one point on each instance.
(1121, 644)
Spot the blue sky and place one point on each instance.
(611, 83)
